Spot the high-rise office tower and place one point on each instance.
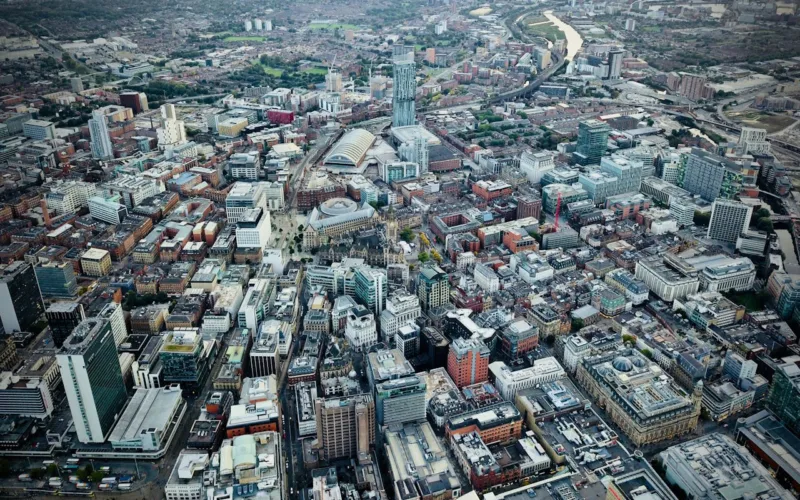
(102, 148)
(345, 426)
(468, 362)
(615, 64)
(729, 219)
(20, 300)
(404, 87)
(400, 401)
(711, 176)
(784, 395)
(371, 288)
(402, 308)
(434, 287)
(592, 142)
(738, 368)
(172, 131)
(63, 318)
(57, 280)
(92, 379)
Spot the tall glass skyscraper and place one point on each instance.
(101, 140)
(92, 379)
(592, 142)
(405, 87)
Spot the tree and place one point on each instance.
(423, 257)
(647, 353)
(97, 476)
(577, 324)
(82, 474)
(761, 213)
(650, 122)
(407, 235)
(37, 473)
(52, 470)
(765, 225)
(5, 468)
(300, 228)
(628, 339)
(701, 219)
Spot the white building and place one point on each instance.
(575, 349)
(729, 219)
(669, 277)
(253, 306)
(535, 165)
(107, 210)
(244, 196)
(753, 141)
(39, 130)
(264, 355)
(102, 148)
(509, 382)
(360, 329)
(245, 165)
(186, 480)
(253, 229)
(145, 423)
(276, 200)
(116, 317)
(729, 274)
(69, 197)
(486, 278)
(172, 131)
(682, 209)
(132, 190)
(402, 308)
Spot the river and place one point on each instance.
(790, 263)
(574, 39)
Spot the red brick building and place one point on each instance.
(468, 361)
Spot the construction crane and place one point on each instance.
(558, 209)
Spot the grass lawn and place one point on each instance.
(549, 31)
(773, 123)
(315, 71)
(535, 20)
(272, 71)
(751, 301)
(244, 39)
(332, 26)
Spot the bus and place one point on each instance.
(73, 460)
(83, 486)
(70, 467)
(105, 486)
(105, 469)
(124, 486)
(126, 479)
(109, 480)
(48, 462)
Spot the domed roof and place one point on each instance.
(639, 362)
(623, 364)
(338, 206)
